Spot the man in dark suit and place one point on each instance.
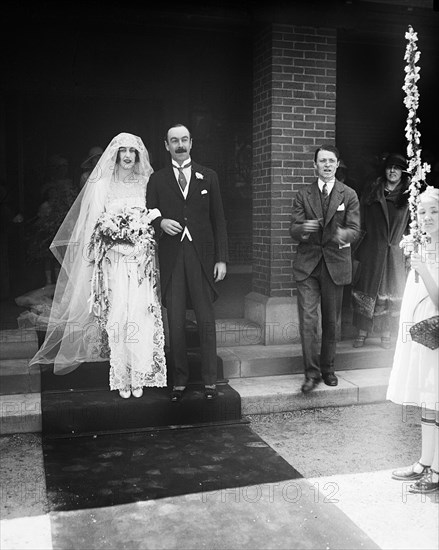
(325, 221)
(193, 252)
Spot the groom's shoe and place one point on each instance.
(177, 393)
(210, 392)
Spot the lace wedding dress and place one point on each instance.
(133, 320)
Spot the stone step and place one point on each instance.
(236, 362)
(23, 343)
(18, 343)
(21, 413)
(16, 376)
(260, 360)
(276, 394)
(237, 332)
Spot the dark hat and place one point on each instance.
(57, 160)
(395, 159)
(95, 151)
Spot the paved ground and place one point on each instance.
(345, 454)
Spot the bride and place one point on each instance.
(106, 304)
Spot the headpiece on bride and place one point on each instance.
(73, 332)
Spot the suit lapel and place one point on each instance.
(335, 199)
(193, 184)
(315, 201)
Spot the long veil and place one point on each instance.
(73, 333)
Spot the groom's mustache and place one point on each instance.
(180, 150)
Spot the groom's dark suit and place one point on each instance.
(321, 268)
(187, 267)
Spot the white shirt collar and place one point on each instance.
(184, 165)
(329, 183)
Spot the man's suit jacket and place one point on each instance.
(343, 211)
(202, 212)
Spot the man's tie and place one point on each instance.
(182, 182)
(325, 199)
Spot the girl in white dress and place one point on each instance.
(414, 377)
(106, 304)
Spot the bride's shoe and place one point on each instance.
(137, 392)
(125, 393)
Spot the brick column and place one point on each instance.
(293, 112)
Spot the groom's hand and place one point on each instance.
(171, 227)
(219, 271)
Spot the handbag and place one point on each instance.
(426, 332)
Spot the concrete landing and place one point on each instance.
(273, 394)
(259, 360)
(21, 413)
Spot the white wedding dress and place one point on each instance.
(133, 321)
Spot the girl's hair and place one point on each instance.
(380, 182)
(429, 193)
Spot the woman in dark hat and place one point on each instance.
(380, 280)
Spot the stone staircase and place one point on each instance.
(267, 378)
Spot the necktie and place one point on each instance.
(325, 199)
(182, 182)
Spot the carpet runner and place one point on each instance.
(81, 403)
(133, 473)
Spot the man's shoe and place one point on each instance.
(210, 393)
(310, 384)
(330, 379)
(177, 394)
(408, 473)
(359, 341)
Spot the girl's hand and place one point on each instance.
(417, 263)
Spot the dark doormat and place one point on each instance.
(97, 471)
(99, 411)
(81, 403)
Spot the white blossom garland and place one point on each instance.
(416, 168)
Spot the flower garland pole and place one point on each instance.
(416, 169)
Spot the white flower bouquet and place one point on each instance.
(131, 228)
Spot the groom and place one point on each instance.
(193, 252)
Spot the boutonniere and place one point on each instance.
(199, 176)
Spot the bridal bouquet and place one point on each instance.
(129, 232)
(131, 226)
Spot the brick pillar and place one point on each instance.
(293, 112)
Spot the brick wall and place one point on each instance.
(293, 112)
